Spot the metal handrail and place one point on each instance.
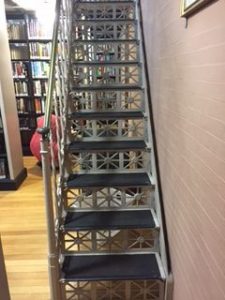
(51, 78)
(53, 253)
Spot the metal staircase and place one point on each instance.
(108, 242)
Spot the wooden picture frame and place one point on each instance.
(189, 7)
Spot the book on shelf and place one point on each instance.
(24, 123)
(19, 69)
(40, 50)
(39, 105)
(1, 124)
(40, 69)
(2, 168)
(43, 105)
(21, 88)
(36, 30)
(2, 145)
(45, 88)
(16, 29)
(40, 87)
(19, 51)
(23, 106)
(37, 88)
(37, 102)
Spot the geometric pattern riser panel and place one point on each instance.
(104, 75)
(108, 31)
(114, 290)
(108, 198)
(103, 241)
(102, 129)
(107, 101)
(103, 162)
(104, 11)
(105, 52)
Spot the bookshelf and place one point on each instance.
(12, 171)
(30, 47)
(4, 171)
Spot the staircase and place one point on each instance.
(109, 242)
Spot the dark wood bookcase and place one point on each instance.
(30, 47)
(4, 170)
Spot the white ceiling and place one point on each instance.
(12, 6)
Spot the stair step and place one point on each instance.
(106, 115)
(106, 146)
(105, 10)
(105, 21)
(107, 1)
(106, 63)
(99, 41)
(108, 180)
(111, 267)
(106, 87)
(113, 220)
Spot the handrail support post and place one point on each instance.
(53, 256)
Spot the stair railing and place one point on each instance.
(45, 132)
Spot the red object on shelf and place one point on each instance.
(35, 140)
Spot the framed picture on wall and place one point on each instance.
(189, 7)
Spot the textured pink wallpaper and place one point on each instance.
(187, 72)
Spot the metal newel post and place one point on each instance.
(53, 258)
(4, 287)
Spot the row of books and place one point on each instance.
(2, 145)
(3, 161)
(27, 123)
(40, 50)
(40, 87)
(24, 105)
(107, 56)
(37, 30)
(19, 69)
(19, 29)
(19, 51)
(37, 51)
(39, 105)
(105, 72)
(16, 29)
(21, 88)
(40, 69)
(3, 172)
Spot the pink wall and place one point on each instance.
(187, 72)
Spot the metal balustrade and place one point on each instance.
(107, 100)
(107, 30)
(120, 290)
(103, 129)
(107, 198)
(105, 51)
(104, 11)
